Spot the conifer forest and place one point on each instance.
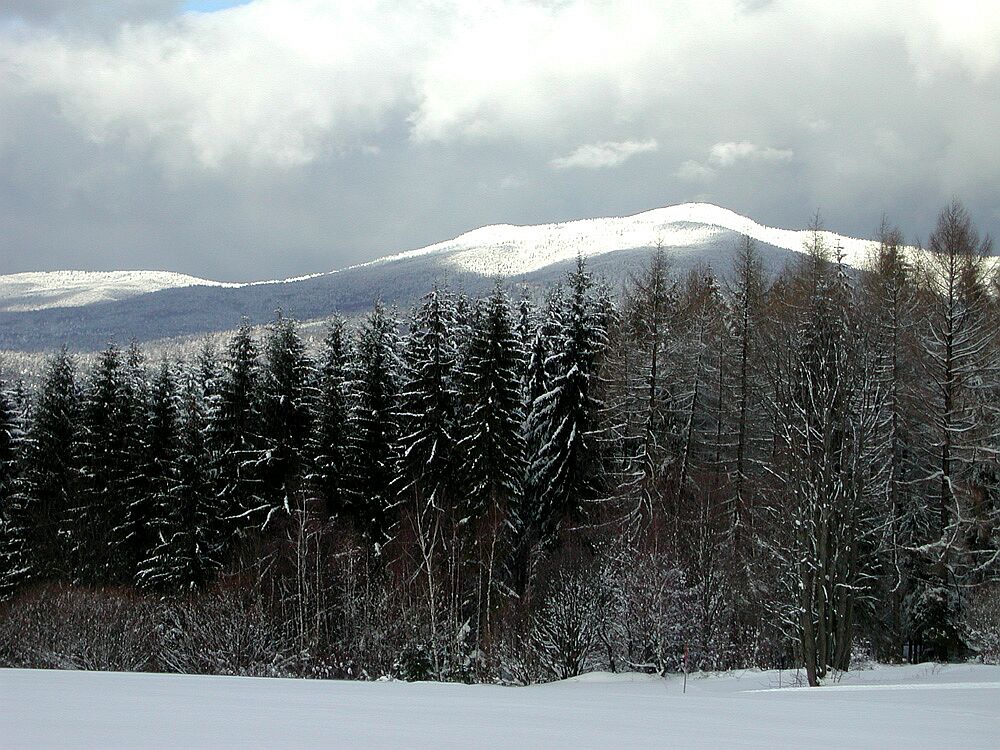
(727, 468)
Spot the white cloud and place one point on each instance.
(603, 155)
(694, 171)
(728, 153)
(249, 123)
(285, 81)
(963, 33)
(268, 83)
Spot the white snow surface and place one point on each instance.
(507, 250)
(497, 250)
(40, 290)
(914, 706)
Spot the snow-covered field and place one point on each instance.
(923, 706)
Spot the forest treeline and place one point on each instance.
(800, 470)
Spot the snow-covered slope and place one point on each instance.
(508, 250)
(41, 290)
(498, 250)
(916, 706)
(39, 312)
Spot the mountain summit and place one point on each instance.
(84, 309)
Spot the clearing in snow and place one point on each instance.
(919, 706)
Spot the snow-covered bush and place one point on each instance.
(982, 623)
(567, 627)
(63, 627)
(630, 611)
(653, 618)
(862, 655)
(222, 632)
(450, 657)
(936, 620)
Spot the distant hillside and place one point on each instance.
(85, 310)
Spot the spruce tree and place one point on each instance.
(329, 437)
(190, 536)
(285, 414)
(135, 534)
(162, 453)
(115, 532)
(491, 444)
(428, 405)
(374, 431)
(53, 472)
(538, 376)
(568, 471)
(13, 555)
(235, 429)
(426, 483)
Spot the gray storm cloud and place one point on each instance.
(279, 138)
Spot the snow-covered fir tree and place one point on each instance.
(235, 428)
(329, 437)
(428, 407)
(374, 429)
(567, 470)
(112, 539)
(491, 443)
(53, 472)
(491, 446)
(190, 535)
(162, 452)
(285, 397)
(14, 567)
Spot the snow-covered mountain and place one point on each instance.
(86, 309)
(39, 290)
(508, 250)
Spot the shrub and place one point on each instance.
(59, 626)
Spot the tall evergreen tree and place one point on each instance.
(235, 429)
(329, 448)
(568, 468)
(426, 482)
(53, 472)
(13, 555)
(190, 536)
(538, 376)
(491, 444)
(285, 411)
(162, 453)
(374, 430)
(114, 531)
(428, 406)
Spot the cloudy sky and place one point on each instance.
(278, 137)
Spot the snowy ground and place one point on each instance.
(913, 706)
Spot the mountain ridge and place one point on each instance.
(66, 309)
(507, 250)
